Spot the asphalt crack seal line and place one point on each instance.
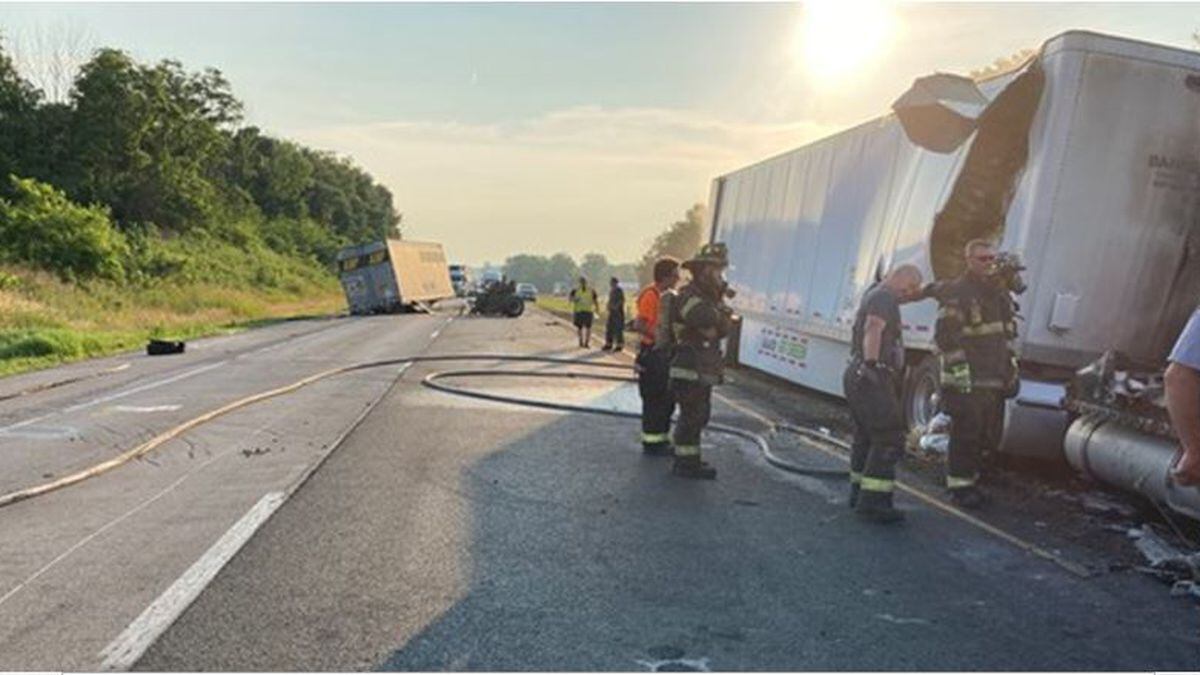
(826, 439)
(62, 383)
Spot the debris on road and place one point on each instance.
(1186, 588)
(1101, 504)
(935, 438)
(1167, 563)
(157, 347)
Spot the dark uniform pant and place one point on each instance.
(695, 409)
(614, 330)
(878, 429)
(975, 430)
(654, 385)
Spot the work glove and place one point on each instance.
(876, 372)
(957, 376)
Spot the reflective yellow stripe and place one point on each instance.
(855, 477)
(877, 484)
(683, 373)
(949, 313)
(687, 451)
(953, 482)
(688, 306)
(655, 438)
(984, 329)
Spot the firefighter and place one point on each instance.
(654, 358)
(872, 384)
(976, 322)
(583, 305)
(699, 319)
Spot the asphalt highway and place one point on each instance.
(445, 533)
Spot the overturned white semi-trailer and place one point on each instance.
(1085, 161)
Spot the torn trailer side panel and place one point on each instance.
(1100, 204)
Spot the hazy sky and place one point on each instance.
(505, 128)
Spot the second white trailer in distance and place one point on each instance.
(1104, 212)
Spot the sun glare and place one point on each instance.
(838, 38)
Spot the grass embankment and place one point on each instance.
(46, 321)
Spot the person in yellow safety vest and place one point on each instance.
(975, 326)
(699, 320)
(583, 304)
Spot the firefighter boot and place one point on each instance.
(876, 507)
(854, 492)
(691, 466)
(658, 449)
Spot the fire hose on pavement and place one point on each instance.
(433, 381)
(436, 382)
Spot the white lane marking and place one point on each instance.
(669, 665)
(901, 620)
(434, 334)
(111, 524)
(129, 646)
(165, 491)
(146, 408)
(44, 433)
(114, 396)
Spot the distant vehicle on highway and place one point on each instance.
(488, 277)
(393, 275)
(527, 291)
(460, 279)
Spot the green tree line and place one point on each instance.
(142, 155)
(680, 239)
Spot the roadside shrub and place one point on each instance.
(41, 227)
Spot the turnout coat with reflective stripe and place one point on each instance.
(697, 356)
(976, 325)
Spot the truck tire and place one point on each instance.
(514, 307)
(921, 393)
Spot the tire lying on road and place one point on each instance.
(160, 347)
